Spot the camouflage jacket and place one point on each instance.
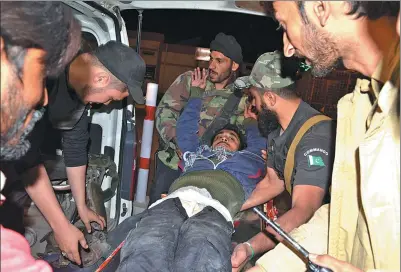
(174, 101)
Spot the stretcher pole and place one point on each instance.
(311, 266)
(146, 146)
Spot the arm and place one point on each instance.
(169, 109)
(268, 188)
(238, 117)
(306, 199)
(41, 192)
(255, 141)
(187, 125)
(75, 143)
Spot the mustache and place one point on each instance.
(222, 142)
(15, 152)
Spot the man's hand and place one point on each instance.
(199, 78)
(67, 238)
(249, 114)
(332, 263)
(87, 216)
(241, 254)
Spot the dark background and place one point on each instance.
(255, 34)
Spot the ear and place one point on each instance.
(270, 98)
(101, 79)
(235, 66)
(1, 44)
(322, 10)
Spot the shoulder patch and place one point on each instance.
(315, 161)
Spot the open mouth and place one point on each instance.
(222, 144)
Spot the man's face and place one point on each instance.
(104, 96)
(306, 39)
(267, 119)
(22, 99)
(227, 139)
(220, 67)
(102, 88)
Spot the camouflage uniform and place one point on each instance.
(174, 101)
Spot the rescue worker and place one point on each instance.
(37, 40)
(361, 224)
(225, 59)
(110, 73)
(310, 179)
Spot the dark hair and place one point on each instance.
(288, 92)
(371, 9)
(45, 25)
(242, 139)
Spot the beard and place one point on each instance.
(16, 151)
(323, 53)
(220, 77)
(267, 121)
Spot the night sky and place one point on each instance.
(256, 34)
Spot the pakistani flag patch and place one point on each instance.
(315, 160)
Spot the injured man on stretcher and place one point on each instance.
(191, 228)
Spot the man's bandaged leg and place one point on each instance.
(313, 236)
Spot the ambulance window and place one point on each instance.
(89, 42)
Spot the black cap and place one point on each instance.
(228, 46)
(125, 64)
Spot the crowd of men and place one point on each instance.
(342, 189)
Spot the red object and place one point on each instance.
(144, 163)
(108, 260)
(16, 254)
(257, 175)
(270, 210)
(150, 112)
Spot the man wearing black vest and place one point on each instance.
(110, 73)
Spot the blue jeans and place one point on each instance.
(167, 240)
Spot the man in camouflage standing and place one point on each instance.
(225, 58)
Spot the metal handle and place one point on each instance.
(312, 267)
(282, 233)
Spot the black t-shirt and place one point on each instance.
(65, 107)
(66, 113)
(314, 154)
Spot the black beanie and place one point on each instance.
(228, 46)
